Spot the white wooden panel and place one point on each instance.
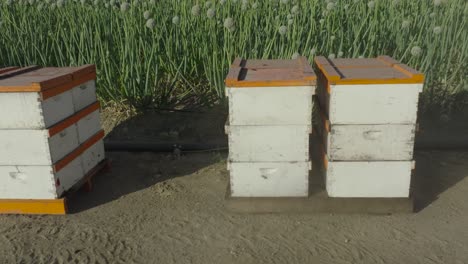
(270, 105)
(27, 182)
(69, 176)
(269, 179)
(368, 179)
(374, 104)
(20, 111)
(268, 143)
(84, 95)
(371, 142)
(34, 147)
(57, 108)
(89, 126)
(24, 147)
(92, 156)
(63, 143)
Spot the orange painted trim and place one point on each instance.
(78, 151)
(26, 206)
(380, 81)
(257, 84)
(67, 86)
(334, 77)
(73, 119)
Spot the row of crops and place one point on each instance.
(160, 53)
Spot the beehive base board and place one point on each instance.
(318, 203)
(51, 206)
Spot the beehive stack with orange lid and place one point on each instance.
(368, 110)
(50, 133)
(270, 114)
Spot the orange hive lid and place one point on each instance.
(264, 73)
(380, 70)
(48, 81)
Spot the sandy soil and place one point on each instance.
(158, 208)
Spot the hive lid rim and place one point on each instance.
(266, 73)
(341, 74)
(33, 79)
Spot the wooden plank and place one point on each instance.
(266, 73)
(18, 206)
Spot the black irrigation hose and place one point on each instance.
(141, 146)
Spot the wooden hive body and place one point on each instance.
(368, 112)
(50, 132)
(270, 118)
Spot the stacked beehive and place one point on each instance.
(270, 105)
(369, 110)
(50, 133)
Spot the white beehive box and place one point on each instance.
(383, 179)
(269, 179)
(37, 98)
(50, 132)
(48, 146)
(270, 118)
(368, 111)
(268, 143)
(270, 92)
(368, 91)
(51, 181)
(393, 142)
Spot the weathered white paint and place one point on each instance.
(57, 108)
(27, 182)
(368, 179)
(88, 126)
(370, 142)
(70, 175)
(372, 103)
(26, 110)
(270, 105)
(269, 179)
(34, 147)
(84, 95)
(93, 156)
(20, 111)
(268, 143)
(40, 182)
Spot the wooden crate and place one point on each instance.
(38, 98)
(270, 118)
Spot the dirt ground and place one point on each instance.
(161, 208)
